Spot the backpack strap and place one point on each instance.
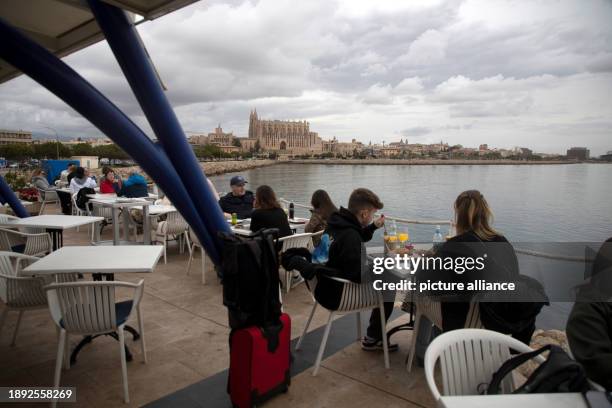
(510, 365)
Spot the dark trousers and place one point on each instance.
(65, 202)
(374, 331)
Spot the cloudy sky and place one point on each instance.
(535, 73)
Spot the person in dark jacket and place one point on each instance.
(348, 229)
(589, 326)
(239, 200)
(134, 187)
(268, 212)
(322, 208)
(473, 240)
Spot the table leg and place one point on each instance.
(88, 339)
(116, 237)
(97, 226)
(126, 223)
(146, 225)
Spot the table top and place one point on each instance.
(119, 202)
(558, 400)
(99, 259)
(52, 221)
(102, 195)
(157, 209)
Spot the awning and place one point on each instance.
(66, 26)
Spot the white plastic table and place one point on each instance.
(98, 259)
(54, 224)
(558, 400)
(116, 203)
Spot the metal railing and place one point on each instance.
(522, 251)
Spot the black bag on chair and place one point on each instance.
(558, 373)
(82, 199)
(249, 273)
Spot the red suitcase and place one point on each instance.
(255, 373)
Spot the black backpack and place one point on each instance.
(558, 373)
(82, 199)
(249, 273)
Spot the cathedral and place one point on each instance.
(284, 136)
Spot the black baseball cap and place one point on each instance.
(238, 181)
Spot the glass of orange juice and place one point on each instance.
(403, 236)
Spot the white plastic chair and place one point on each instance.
(89, 308)
(174, 227)
(432, 311)
(35, 244)
(19, 293)
(468, 358)
(46, 197)
(356, 298)
(294, 241)
(195, 243)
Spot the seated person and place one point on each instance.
(349, 228)
(268, 212)
(239, 200)
(69, 174)
(81, 180)
(109, 183)
(134, 187)
(322, 208)
(589, 327)
(39, 180)
(474, 231)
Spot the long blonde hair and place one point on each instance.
(473, 214)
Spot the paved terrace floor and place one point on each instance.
(187, 342)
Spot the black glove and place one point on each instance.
(298, 259)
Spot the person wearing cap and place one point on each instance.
(239, 200)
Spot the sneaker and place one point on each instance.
(369, 344)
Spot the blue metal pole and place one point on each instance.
(63, 81)
(138, 70)
(8, 196)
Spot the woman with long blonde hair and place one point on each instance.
(473, 214)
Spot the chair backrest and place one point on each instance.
(468, 358)
(6, 243)
(16, 290)
(98, 210)
(87, 307)
(296, 241)
(175, 223)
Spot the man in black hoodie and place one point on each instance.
(348, 230)
(239, 200)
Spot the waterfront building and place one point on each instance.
(15, 136)
(578, 153)
(342, 148)
(292, 137)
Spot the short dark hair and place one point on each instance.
(363, 199)
(80, 173)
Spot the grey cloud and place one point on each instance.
(416, 131)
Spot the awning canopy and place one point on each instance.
(66, 26)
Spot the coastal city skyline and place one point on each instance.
(467, 72)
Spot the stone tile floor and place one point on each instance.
(187, 341)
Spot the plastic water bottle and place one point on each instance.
(437, 238)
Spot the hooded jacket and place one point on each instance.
(241, 205)
(134, 186)
(347, 255)
(42, 183)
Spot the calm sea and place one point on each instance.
(531, 203)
